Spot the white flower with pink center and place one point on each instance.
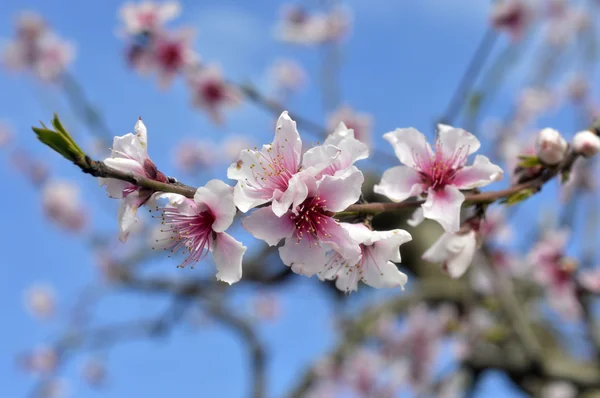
(198, 226)
(172, 54)
(379, 251)
(147, 16)
(130, 154)
(440, 175)
(360, 123)
(211, 92)
(309, 229)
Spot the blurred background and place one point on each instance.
(86, 315)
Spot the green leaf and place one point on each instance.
(529, 161)
(518, 196)
(59, 140)
(564, 176)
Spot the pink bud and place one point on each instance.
(551, 146)
(586, 143)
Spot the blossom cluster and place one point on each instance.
(37, 48)
(293, 194)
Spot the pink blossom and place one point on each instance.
(173, 54)
(360, 123)
(379, 251)
(61, 201)
(300, 27)
(309, 228)
(512, 16)
(198, 226)
(440, 174)
(590, 280)
(192, 156)
(287, 77)
(454, 251)
(41, 360)
(272, 174)
(40, 300)
(232, 146)
(130, 155)
(147, 16)
(551, 146)
(533, 102)
(586, 143)
(211, 92)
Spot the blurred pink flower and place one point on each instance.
(359, 122)
(211, 92)
(297, 26)
(511, 16)
(6, 134)
(551, 146)
(233, 145)
(287, 77)
(454, 251)
(267, 306)
(40, 300)
(62, 204)
(148, 16)
(173, 54)
(94, 372)
(192, 156)
(42, 360)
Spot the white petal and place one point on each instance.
(263, 224)
(129, 146)
(340, 240)
(125, 165)
(347, 279)
(458, 264)
(243, 198)
(444, 207)
(304, 257)
(481, 173)
(114, 187)
(341, 191)
(417, 218)
(320, 157)
(127, 216)
(408, 145)
(399, 183)
(386, 244)
(295, 194)
(287, 142)
(358, 232)
(218, 196)
(141, 133)
(438, 252)
(453, 139)
(227, 254)
(383, 275)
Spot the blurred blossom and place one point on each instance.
(589, 279)
(563, 29)
(6, 134)
(581, 178)
(362, 372)
(555, 272)
(559, 389)
(192, 156)
(38, 49)
(62, 204)
(148, 17)
(33, 169)
(40, 300)
(267, 307)
(298, 26)
(173, 54)
(108, 266)
(211, 92)
(511, 16)
(94, 372)
(42, 360)
(439, 174)
(494, 226)
(361, 123)
(54, 388)
(551, 146)
(532, 102)
(454, 251)
(287, 77)
(233, 145)
(586, 143)
(578, 88)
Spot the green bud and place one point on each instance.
(59, 140)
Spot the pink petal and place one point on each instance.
(341, 191)
(453, 140)
(399, 183)
(227, 254)
(287, 142)
(304, 257)
(444, 207)
(409, 144)
(339, 239)
(295, 194)
(481, 173)
(218, 196)
(263, 224)
(320, 157)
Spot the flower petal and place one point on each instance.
(320, 157)
(338, 238)
(399, 183)
(129, 146)
(341, 191)
(227, 254)
(481, 173)
(383, 275)
(458, 264)
(386, 244)
(125, 165)
(452, 140)
(304, 257)
(127, 216)
(263, 224)
(444, 207)
(218, 196)
(114, 187)
(409, 144)
(287, 142)
(417, 218)
(295, 194)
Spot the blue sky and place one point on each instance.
(400, 63)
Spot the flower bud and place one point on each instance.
(551, 146)
(586, 143)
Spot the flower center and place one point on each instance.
(311, 220)
(170, 55)
(191, 233)
(438, 169)
(273, 172)
(213, 92)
